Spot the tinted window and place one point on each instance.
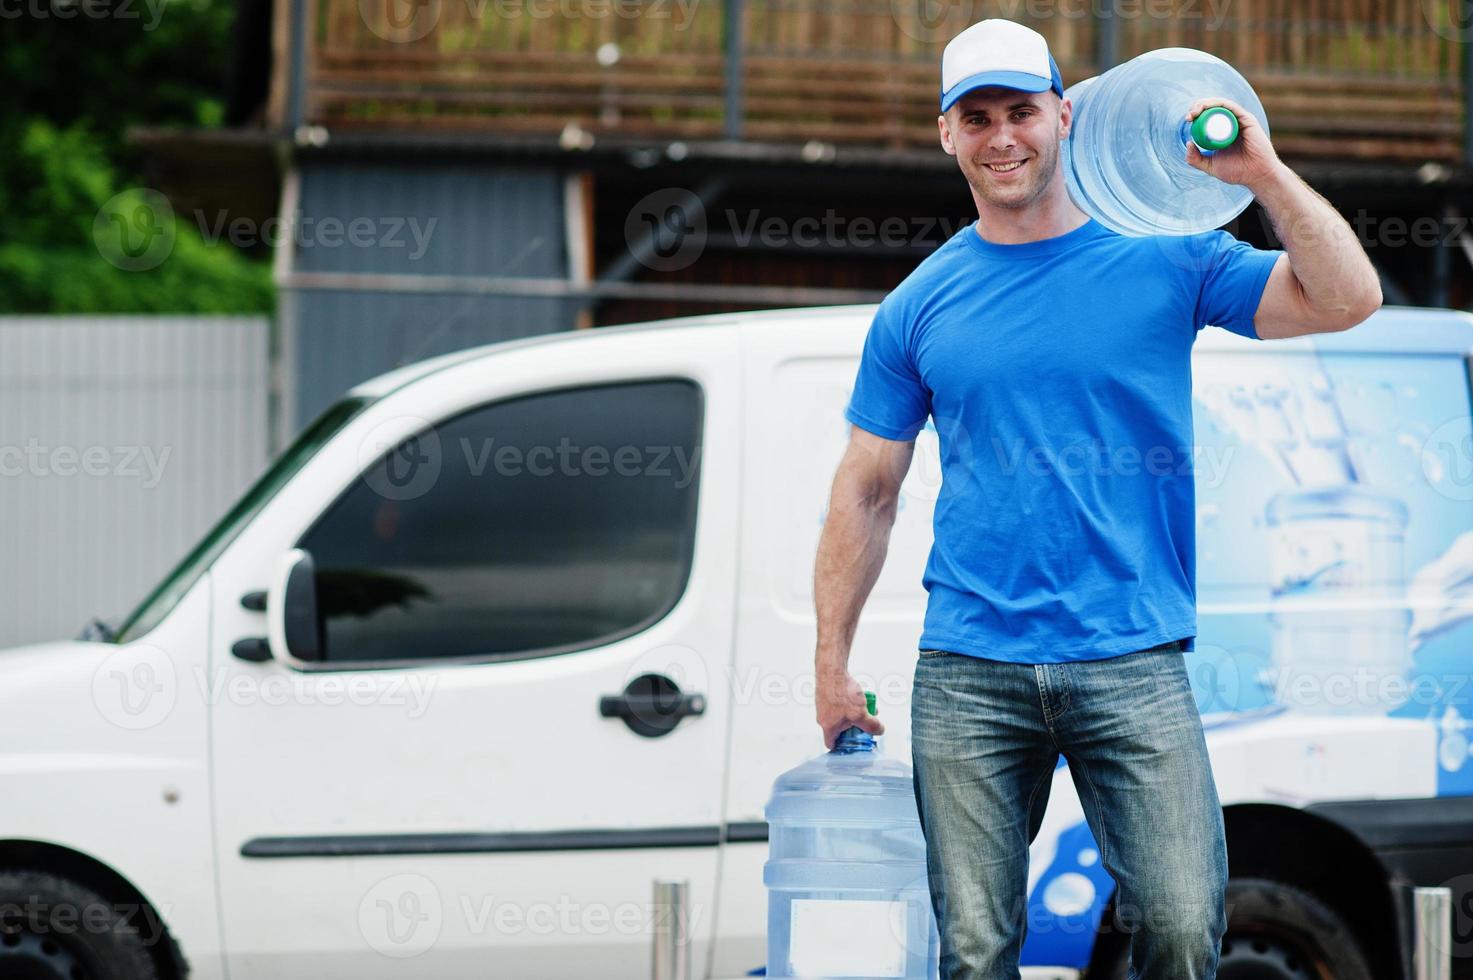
(162, 600)
(532, 526)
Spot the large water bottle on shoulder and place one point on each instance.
(846, 869)
(1125, 161)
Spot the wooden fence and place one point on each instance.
(1352, 79)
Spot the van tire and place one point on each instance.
(1285, 928)
(50, 925)
(1274, 930)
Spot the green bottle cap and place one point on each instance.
(1215, 129)
(869, 702)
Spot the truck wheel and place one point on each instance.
(1274, 932)
(52, 928)
(1278, 932)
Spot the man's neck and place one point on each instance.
(1052, 215)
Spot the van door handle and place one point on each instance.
(652, 705)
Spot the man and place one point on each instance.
(1054, 358)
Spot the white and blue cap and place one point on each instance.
(997, 52)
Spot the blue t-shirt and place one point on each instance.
(1058, 376)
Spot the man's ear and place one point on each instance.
(1066, 118)
(945, 130)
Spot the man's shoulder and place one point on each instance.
(933, 269)
(1193, 256)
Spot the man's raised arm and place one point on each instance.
(1325, 280)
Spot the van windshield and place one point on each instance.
(178, 582)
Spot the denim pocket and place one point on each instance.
(932, 654)
(1174, 691)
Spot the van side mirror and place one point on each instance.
(292, 624)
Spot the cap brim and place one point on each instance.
(1020, 80)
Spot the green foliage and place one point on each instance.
(78, 74)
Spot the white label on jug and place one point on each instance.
(833, 938)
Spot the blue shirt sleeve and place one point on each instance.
(889, 397)
(1233, 274)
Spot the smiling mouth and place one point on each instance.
(1004, 168)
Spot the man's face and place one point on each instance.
(1007, 142)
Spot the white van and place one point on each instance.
(506, 636)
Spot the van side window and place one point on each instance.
(534, 526)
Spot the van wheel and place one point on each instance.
(1278, 932)
(52, 928)
(1274, 932)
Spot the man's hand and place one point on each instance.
(1325, 281)
(1251, 161)
(840, 703)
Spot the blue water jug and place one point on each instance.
(1125, 161)
(847, 894)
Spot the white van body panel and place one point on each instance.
(106, 754)
(514, 747)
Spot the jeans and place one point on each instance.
(986, 736)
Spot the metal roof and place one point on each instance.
(1392, 329)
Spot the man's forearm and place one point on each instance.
(1334, 272)
(851, 552)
